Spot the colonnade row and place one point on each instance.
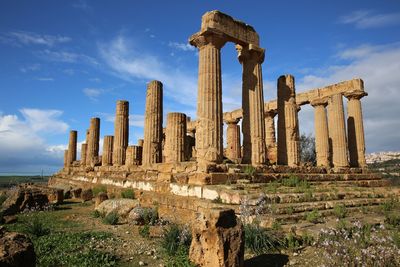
(171, 144)
(335, 147)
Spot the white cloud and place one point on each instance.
(364, 19)
(93, 93)
(130, 64)
(181, 46)
(31, 67)
(136, 120)
(22, 142)
(31, 38)
(66, 57)
(379, 68)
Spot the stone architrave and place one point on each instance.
(175, 137)
(73, 135)
(321, 132)
(93, 143)
(83, 154)
(121, 132)
(153, 130)
(66, 164)
(233, 149)
(337, 131)
(108, 144)
(209, 128)
(253, 126)
(218, 239)
(288, 124)
(355, 129)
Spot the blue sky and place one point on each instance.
(63, 62)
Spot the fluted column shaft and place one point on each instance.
(288, 124)
(73, 135)
(253, 125)
(108, 143)
(83, 154)
(337, 131)
(270, 138)
(93, 143)
(153, 131)
(209, 131)
(355, 129)
(321, 133)
(175, 137)
(233, 150)
(66, 163)
(121, 132)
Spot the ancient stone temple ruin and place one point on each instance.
(181, 164)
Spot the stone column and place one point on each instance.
(66, 163)
(288, 124)
(83, 154)
(152, 149)
(137, 155)
(321, 132)
(233, 140)
(355, 129)
(270, 138)
(209, 131)
(129, 156)
(253, 128)
(337, 131)
(108, 143)
(72, 146)
(93, 145)
(121, 132)
(175, 137)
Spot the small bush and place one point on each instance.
(128, 193)
(150, 215)
(294, 181)
(313, 216)
(276, 226)
(290, 210)
(98, 214)
(272, 187)
(99, 189)
(36, 228)
(340, 211)
(111, 218)
(293, 242)
(249, 170)
(259, 240)
(389, 205)
(176, 237)
(144, 231)
(392, 220)
(3, 198)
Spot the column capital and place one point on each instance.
(271, 112)
(232, 120)
(208, 37)
(356, 94)
(250, 52)
(319, 102)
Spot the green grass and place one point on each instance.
(294, 181)
(250, 170)
(99, 189)
(259, 240)
(175, 243)
(340, 211)
(7, 181)
(144, 231)
(111, 218)
(128, 193)
(313, 216)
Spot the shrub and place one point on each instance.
(99, 189)
(128, 193)
(249, 170)
(176, 237)
(293, 242)
(276, 226)
(294, 181)
(98, 214)
(392, 220)
(313, 216)
(259, 240)
(3, 198)
(340, 211)
(111, 218)
(389, 205)
(144, 231)
(36, 228)
(150, 215)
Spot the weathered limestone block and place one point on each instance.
(16, 250)
(218, 239)
(337, 131)
(321, 132)
(121, 132)
(108, 144)
(92, 157)
(102, 196)
(355, 128)
(153, 131)
(175, 137)
(288, 124)
(83, 154)
(253, 125)
(86, 195)
(233, 149)
(121, 206)
(133, 156)
(209, 145)
(72, 146)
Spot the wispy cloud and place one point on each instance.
(66, 57)
(31, 38)
(93, 93)
(131, 64)
(81, 4)
(181, 46)
(31, 67)
(136, 120)
(46, 120)
(364, 19)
